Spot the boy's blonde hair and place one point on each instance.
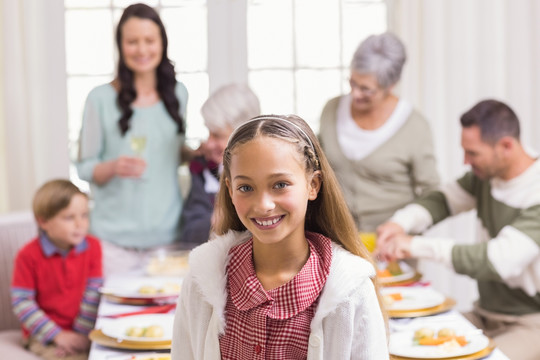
(52, 197)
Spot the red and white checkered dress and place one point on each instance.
(272, 324)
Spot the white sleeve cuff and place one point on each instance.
(437, 249)
(413, 218)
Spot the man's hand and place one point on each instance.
(397, 248)
(71, 342)
(387, 231)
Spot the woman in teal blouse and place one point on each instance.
(130, 145)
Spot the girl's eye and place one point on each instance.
(281, 185)
(244, 188)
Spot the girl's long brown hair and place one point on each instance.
(328, 214)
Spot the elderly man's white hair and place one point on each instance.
(229, 107)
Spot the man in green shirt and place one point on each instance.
(504, 188)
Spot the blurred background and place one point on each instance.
(295, 55)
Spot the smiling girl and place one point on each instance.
(286, 277)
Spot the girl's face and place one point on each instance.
(69, 227)
(270, 189)
(142, 46)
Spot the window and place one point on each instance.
(296, 52)
(299, 51)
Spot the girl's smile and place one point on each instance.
(267, 223)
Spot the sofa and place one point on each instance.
(16, 229)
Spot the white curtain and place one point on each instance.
(33, 118)
(460, 52)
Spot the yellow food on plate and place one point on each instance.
(148, 290)
(153, 331)
(170, 288)
(423, 333)
(445, 332)
(135, 331)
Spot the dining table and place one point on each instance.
(109, 310)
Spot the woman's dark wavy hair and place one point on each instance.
(166, 77)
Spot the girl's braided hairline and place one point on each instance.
(310, 151)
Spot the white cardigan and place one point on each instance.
(348, 323)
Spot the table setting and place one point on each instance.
(136, 311)
(423, 323)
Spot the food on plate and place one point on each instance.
(392, 269)
(383, 273)
(153, 331)
(423, 333)
(148, 290)
(389, 299)
(445, 336)
(135, 331)
(444, 332)
(167, 288)
(170, 288)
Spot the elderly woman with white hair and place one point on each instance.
(226, 109)
(379, 146)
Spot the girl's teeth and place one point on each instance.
(267, 222)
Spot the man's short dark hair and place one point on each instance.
(495, 120)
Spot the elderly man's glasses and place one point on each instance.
(363, 89)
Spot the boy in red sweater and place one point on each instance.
(57, 275)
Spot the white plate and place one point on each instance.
(140, 356)
(408, 273)
(414, 298)
(130, 289)
(401, 344)
(117, 328)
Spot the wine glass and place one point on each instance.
(137, 143)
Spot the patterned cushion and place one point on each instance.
(16, 229)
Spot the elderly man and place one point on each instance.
(504, 188)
